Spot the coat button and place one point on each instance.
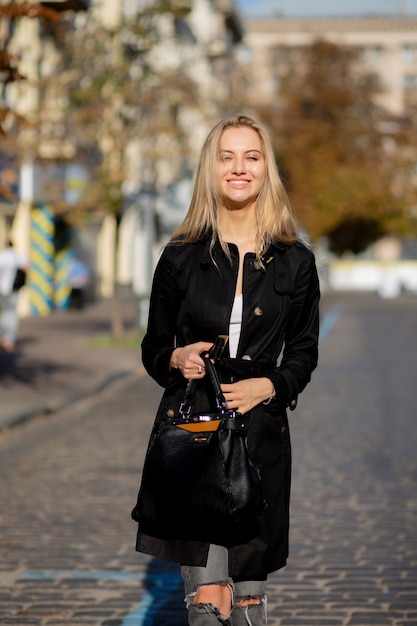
(257, 264)
(258, 312)
(246, 357)
(171, 413)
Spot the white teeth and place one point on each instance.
(238, 183)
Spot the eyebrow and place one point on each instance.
(246, 151)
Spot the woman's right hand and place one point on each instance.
(188, 360)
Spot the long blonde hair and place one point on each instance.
(273, 213)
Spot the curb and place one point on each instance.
(115, 380)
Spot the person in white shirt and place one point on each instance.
(10, 262)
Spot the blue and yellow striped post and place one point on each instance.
(42, 261)
(62, 290)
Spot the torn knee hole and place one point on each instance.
(218, 595)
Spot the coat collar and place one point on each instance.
(283, 281)
(207, 255)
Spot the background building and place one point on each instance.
(387, 48)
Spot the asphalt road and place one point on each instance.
(69, 481)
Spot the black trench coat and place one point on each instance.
(191, 300)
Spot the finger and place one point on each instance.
(227, 388)
(203, 346)
(195, 371)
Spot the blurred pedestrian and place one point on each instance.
(235, 267)
(78, 277)
(13, 268)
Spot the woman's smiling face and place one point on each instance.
(241, 166)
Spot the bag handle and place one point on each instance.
(221, 402)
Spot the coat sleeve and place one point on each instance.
(301, 337)
(159, 341)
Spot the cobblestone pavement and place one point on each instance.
(68, 482)
(61, 357)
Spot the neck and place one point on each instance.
(238, 226)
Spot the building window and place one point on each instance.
(362, 54)
(377, 53)
(409, 53)
(275, 83)
(371, 54)
(406, 54)
(410, 82)
(277, 54)
(244, 54)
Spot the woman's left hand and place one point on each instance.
(245, 394)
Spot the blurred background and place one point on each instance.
(104, 107)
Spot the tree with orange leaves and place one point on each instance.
(348, 163)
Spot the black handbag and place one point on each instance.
(19, 279)
(197, 472)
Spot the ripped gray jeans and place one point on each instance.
(217, 572)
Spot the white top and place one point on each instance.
(10, 260)
(235, 325)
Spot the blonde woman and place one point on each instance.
(234, 267)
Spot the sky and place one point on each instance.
(323, 8)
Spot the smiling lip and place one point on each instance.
(238, 182)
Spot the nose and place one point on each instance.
(238, 166)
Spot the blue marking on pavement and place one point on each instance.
(138, 616)
(329, 320)
(51, 575)
(162, 585)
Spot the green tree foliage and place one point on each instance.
(11, 121)
(9, 63)
(119, 92)
(110, 87)
(347, 163)
(123, 95)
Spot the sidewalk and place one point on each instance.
(57, 360)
